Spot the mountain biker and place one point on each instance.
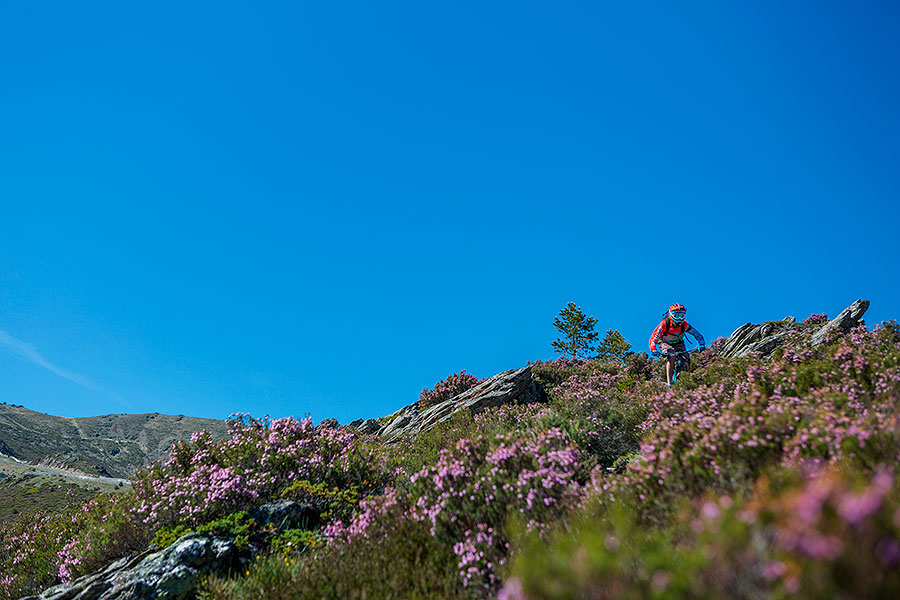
(669, 336)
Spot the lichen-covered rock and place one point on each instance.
(169, 574)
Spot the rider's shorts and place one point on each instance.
(677, 347)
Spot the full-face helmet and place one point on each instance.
(676, 312)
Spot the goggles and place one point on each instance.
(678, 315)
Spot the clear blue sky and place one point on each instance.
(291, 208)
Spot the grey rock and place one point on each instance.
(516, 386)
(762, 338)
(169, 574)
(368, 427)
(849, 318)
(175, 572)
(290, 514)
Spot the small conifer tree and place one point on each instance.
(613, 347)
(578, 332)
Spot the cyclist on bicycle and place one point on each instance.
(668, 338)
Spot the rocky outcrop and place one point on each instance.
(169, 574)
(849, 318)
(175, 572)
(366, 427)
(764, 338)
(516, 386)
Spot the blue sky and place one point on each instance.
(287, 208)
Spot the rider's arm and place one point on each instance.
(692, 331)
(657, 333)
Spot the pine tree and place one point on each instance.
(613, 347)
(578, 331)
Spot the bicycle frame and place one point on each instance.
(679, 362)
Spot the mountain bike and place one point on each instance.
(682, 362)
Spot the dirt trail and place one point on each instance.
(15, 467)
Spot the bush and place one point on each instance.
(45, 549)
(830, 405)
(405, 562)
(832, 535)
(717, 490)
(447, 388)
(466, 498)
(205, 480)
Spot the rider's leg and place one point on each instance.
(677, 347)
(670, 361)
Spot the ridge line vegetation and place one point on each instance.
(750, 478)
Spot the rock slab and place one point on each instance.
(516, 386)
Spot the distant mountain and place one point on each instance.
(109, 445)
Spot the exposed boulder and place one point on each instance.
(516, 386)
(169, 574)
(174, 573)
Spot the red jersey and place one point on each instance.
(670, 332)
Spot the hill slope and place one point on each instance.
(108, 445)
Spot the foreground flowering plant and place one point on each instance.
(204, 480)
(821, 534)
(752, 477)
(836, 404)
(466, 498)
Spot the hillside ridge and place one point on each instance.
(111, 445)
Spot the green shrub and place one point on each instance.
(404, 562)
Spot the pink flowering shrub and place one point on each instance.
(205, 480)
(749, 478)
(834, 537)
(447, 388)
(829, 536)
(816, 319)
(599, 416)
(831, 405)
(598, 404)
(202, 481)
(45, 549)
(467, 497)
(551, 373)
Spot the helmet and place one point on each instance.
(676, 312)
